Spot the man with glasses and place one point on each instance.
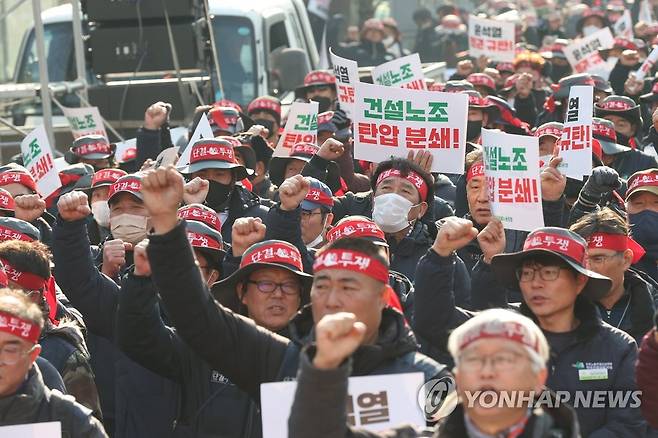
(23, 396)
(557, 292)
(629, 304)
(497, 352)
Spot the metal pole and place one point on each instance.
(46, 104)
(79, 47)
(215, 55)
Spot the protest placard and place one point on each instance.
(52, 429)
(583, 54)
(374, 403)
(347, 74)
(511, 168)
(623, 27)
(492, 38)
(202, 130)
(85, 121)
(38, 160)
(647, 65)
(576, 142)
(405, 72)
(392, 121)
(301, 127)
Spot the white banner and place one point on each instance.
(624, 26)
(301, 127)
(576, 142)
(85, 121)
(405, 72)
(390, 122)
(347, 74)
(511, 167)
(583, 54)
(374, 403)
(492, 38)
(202, 130)
(51, 429)
(38, 160)
(647, 65)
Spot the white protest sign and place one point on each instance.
(374, 403)
(494, 39)
(647, 65)
(301, 127)
(347, 74)
(576, 142)
(390, 122)
(202, 130)
(623, 27)
(583, 54)
(38, 160)
(85, 121)
(511, 167)
(405, 72)
(52, 429)
(644, 13)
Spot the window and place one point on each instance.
(278, 36)
(58, 41)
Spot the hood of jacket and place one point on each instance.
(394, 339)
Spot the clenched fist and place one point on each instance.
(156, 115)
(142, 265)
(114, 256)
(73, 206)
(552, 180)
(246, 231)
(162, 189)
(454, 234)
(29, 207)
(337, 336)
(492, 239)
(331, 149)
(293, 191)
(195, 191)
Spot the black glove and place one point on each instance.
(340, 119)
(602, 181)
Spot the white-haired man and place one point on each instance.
(494, 352)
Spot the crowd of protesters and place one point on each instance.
(147, 300)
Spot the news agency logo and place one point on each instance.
(437, 398)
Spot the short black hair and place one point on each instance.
(33, 257)
(422, 14)
(605, 220)
(405, 166)
(357, 244)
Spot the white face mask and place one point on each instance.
(391, 212)
(388, 41)
(101, 212)
(130, 228)
(588, 30)
(320, 237)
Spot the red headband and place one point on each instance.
(19, 327)
(7, 202)
(7, 233)
(355, 228)
(22, 178)
(202, 241)
(512, 331)
(352, 261)
(476, 170)
(212, 151)
(318, 196)
(26, 280)
(92, 148)
(412, 177)
(273, 252)
(199, 214)
(642, 180)
(107, 176)
(555, 243)
(130, 185)
(616, 242)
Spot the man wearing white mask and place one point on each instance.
(99, 228)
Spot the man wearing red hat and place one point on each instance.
(266, 111)
(319, 86)
(642, 209)
(99, 193)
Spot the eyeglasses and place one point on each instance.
(268, 287)
(503, 361)
(546, 273)
(598, 260)
(308, 214)
(12, 354)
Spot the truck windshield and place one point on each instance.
(58, 39)
(236, 50)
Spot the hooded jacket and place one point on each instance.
(35, 403)
(593, 357)
(319, 411)
(249, 355)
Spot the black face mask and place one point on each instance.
(473, 130)
(217, 194)
(266, 123)
(324, 103)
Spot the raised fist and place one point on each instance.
(156, 115)
(337, 336)
(162, 189)
(142, 265)
(29, 207)
(246, 231)
(454, 234)
(195, 191)
(73, 206)
(422, 158)
(331, 149)
(293, 191)
(552, 180)
(114, 256)
(492, 239)
(602, 181)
